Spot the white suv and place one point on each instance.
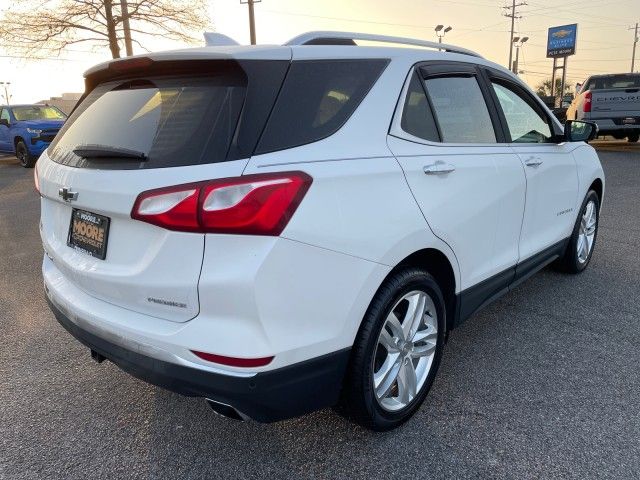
(280, 229)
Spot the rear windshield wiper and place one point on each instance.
(105, 151)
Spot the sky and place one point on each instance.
(604, 39)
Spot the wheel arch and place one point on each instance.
(17, 139)
(598, 186)
(438, 265)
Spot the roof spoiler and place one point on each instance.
(213, 39)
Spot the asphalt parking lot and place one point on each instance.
(545, 383)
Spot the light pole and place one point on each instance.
(441, 31)
(7, 98)
(635, 42)
(518, 42)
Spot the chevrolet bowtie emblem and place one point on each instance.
(67, 195)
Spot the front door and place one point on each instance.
(552, 180)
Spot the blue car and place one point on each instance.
(27, 130)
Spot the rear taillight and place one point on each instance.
(586, 106)
(252, 205)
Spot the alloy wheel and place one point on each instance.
(587, 232)
(405, 350)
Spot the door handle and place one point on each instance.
(438, 168)
(533, 161)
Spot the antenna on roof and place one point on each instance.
(213, 39)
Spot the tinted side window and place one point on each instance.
(460, 109)
(525, 124)
(5, 115)
(317, 98)
(417, 118)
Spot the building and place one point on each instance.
(65, 102)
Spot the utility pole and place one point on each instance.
(252, 19)
(124, 11)
(512, 14)
(635, 42)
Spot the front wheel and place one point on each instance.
(633, 138)
(397, 352)
(24, 156)
(583, 239)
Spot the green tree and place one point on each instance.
(32, 27)
(544, 88)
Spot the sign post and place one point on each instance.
(561, 43)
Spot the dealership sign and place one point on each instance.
(561, 41)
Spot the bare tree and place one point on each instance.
(49, 26)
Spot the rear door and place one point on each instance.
(469, 185)
(134, 133)
(551, 172)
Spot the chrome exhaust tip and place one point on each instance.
(227, 411)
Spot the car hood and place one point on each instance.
(41, 124)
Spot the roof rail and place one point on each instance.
(346, 38)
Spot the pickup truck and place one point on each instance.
(27, 130)
(612, 102)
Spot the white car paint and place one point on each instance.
(304, 294)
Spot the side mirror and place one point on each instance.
(4, 121)
(577, 131)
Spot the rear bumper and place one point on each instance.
(265, 397)
(608, 126)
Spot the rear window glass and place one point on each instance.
(417, 118)
(615, 81)
(317, 98)
(171, 121)
(461, 111)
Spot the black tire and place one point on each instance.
(570, 263)
(24, 157)
(633, 138)
(358, 401)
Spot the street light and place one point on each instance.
(441, 31)
(518, 42)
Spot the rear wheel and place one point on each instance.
(24, 157)
(633, 138)
(583, 240)
(396, 355)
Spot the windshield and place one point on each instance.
(37, 112)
